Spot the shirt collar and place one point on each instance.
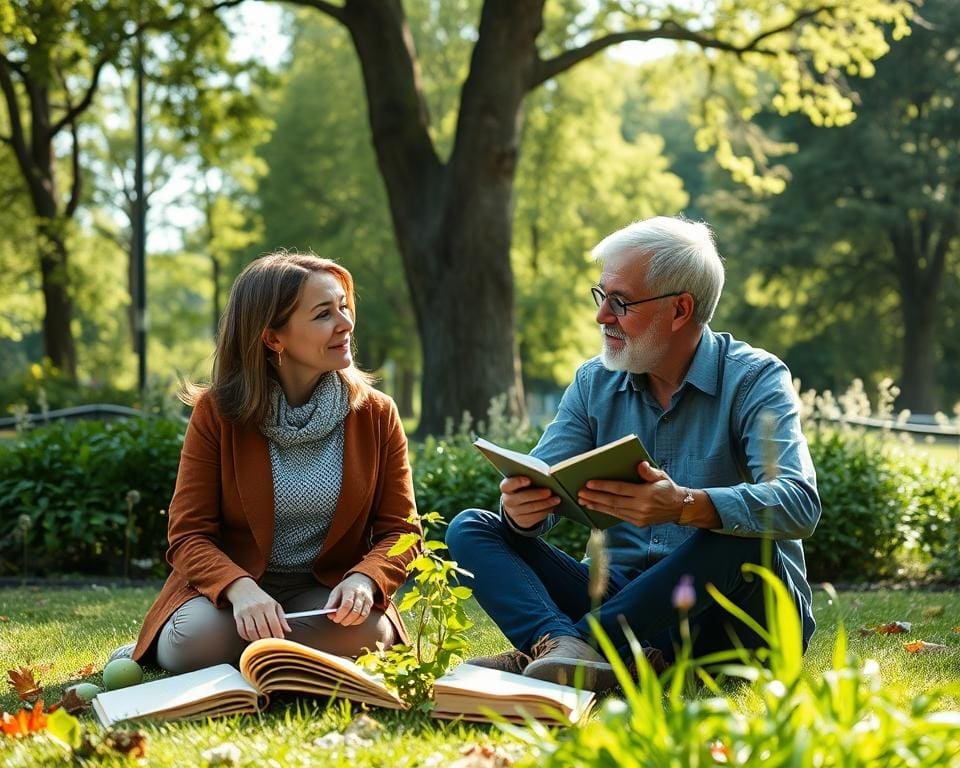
(703, 372)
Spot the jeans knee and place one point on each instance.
(465, 529)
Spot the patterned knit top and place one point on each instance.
(306, 456)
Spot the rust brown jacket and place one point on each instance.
(221, 514)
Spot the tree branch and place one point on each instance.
(668, 30)
(74, 112)
(16, 138)
(331, 10)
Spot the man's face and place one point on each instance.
(637, 341)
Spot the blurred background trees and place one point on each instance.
(840, 234)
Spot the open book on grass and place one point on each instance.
(614, 461)
(274, 666)
(471, 693)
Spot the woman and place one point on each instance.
(294, 483)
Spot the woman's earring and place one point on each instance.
(280, 357)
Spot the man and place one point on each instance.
(721, 421)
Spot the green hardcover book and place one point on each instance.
(614, 461)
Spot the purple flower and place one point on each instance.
(684, 595)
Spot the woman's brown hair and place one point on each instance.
(264, 296)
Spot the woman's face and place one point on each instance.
(316, 336)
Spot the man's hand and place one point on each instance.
(257, 614)
(525, 505)
(353, 599)
(656, 499)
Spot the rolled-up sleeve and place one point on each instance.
(782, 501)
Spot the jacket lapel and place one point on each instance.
(359, 466)
(251, 466)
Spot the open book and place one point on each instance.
(273, 665)
(614, 461)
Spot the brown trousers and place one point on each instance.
(199, 634)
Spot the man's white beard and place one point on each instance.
(639, 354)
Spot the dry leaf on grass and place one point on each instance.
(891, 628)
(922, 646)
(71, 702)
(24, 683)
(4, 619)
(23, 722)
(81, 673)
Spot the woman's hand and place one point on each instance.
(353, 599)
(257, 614)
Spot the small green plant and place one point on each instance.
(843, 717)
(436, 599)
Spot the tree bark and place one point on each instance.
(920, 253)
(58, 343)
(453, 221)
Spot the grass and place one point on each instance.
(62, 630)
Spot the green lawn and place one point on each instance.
(62, 630)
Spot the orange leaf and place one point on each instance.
(922, 646)
(894, 628)
(720, 752)
(24, 683)
(24, 722)
(82, 672)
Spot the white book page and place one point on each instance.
(492, 683)
(169, 693)
(520, 458)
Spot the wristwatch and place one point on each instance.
(688, 498)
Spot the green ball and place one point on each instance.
(120, 673)
(85, 691)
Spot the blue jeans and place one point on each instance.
(530, 588)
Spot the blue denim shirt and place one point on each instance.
(715, 436)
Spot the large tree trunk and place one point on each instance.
(920, 252)
(453, 222)
(58, 344)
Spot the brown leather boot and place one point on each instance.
(513, 661)
(557, 659)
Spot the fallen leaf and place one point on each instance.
(4, 619)
(129, 743)
(956, 629)
(82, 672)
(23, 722)
(24, 683)
(71, 702)
(894, 628)
(922, 646)
(932, 611)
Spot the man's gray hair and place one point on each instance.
(682, 258)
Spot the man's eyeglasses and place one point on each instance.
(617, 305)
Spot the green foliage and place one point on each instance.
(858, 533)
(843, 717)
(71, 481)
(450, 475)
(436, 599)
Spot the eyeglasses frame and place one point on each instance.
(618, 306)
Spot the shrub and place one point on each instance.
(65, 487)
(450, 475)
(859, 531)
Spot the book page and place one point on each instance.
(178, 696)
(468, 689)
(283, 665)
(523, 459)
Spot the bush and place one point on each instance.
(65, 488)
(930, 525)
(450, 475)
(859, 533)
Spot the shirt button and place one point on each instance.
(656, 540)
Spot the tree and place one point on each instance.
(452, 217)
(53, 58)
(867, 230)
